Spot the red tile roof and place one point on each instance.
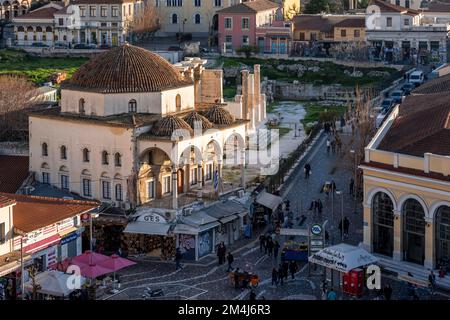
(324, 23)
(437, 85)
(100, 1)
(437, 6)
(251, 7)
(389, 7)
(32, 213)
(13, 172)
(41, 13)
(5, 201)
(422, 125)
(354, 22)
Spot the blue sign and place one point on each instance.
(72, 236)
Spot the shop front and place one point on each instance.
(195, 234)
(149, 234)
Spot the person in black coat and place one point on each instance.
(262, 243)
(230, 260)
(269, 246)
(274, 276)
(293, 268)
(387, 291)
(276, 248)
(285, 269)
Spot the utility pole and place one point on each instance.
(354, 180)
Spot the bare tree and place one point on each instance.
(145, 22)
(359, 116)
(16, 95)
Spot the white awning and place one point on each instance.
(343, 257)
(182, 228)
(293, 232)
(269, 200)
(159, 229)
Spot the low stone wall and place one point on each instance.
(308, 91)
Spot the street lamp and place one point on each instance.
(354, 181)
(338, 192)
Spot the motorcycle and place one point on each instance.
(151, 293)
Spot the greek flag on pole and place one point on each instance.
(216, 180)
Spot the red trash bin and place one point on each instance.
(353, 282)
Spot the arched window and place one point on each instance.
(178, 102)
(197, 18)
(119, 193)
(30, 29)
(81, 105)
(44, 149)
(414, 231)
(48, 29)
(105, 157)
(63, 152)
(117, 160)
(383, 224)
(132, 106)
(442, 232)
(174, 18)
(38, 29)
(86, 154)
(20, 29)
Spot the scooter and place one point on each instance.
(151, 293)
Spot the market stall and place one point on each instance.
(347, 260)
(150, 233)
(52, 283)
(267, 206)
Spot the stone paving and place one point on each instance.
(206, 280)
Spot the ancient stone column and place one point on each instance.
(174, 188)
(243, 168)
(257, 83)
(245, 93)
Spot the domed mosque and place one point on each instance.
(134, 130)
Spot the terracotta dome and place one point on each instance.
(219, 115)
(126, 69)
(167, 125)
(192, 117)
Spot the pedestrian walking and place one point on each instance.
(331, 295)
(352, 187)
(274, 277)
(333, 146)
(307, 170)
(328, 146)
(280, 274)
(341, 227)
(432, 281)
(221, 252)
(252, 296)
(285, 269)
(319, 206)
(178, 257)
(333, 186)
(269, 246)
(230, 260)
(293, 268)
(387, 291)
(276, 248)
(236, 278)
(313, 206)
(324, 289)
(262, 243)
(346, 226)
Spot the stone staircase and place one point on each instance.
(401, 268)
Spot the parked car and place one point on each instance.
(381, 117)
(61, 45)
(39, 45)
(397, 96)
(417, 78)
(387, 104)
(84, 46)
(407, 88)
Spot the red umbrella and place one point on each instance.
(116, 263)
(89, 257)
(93, 270)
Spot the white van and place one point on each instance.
(416, 77)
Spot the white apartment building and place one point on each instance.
(98, 22)
(400, 34)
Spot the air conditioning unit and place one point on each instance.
(187, 212)
(241, 193)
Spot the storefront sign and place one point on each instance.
(67, 223)
(152, 217)
(69, 238)
(316, 229)
(85, 217)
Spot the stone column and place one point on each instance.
(257, 83)
(174, 188)
(245, 93)
(243, 168)
(429, 247)
(187, 175)
(397, 254)
(201, 172)
(219, 168)
(367, 228)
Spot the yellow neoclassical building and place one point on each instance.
(407, 180)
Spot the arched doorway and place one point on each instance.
(180, 181)
(413, 231)
(442, 232)
(383, 224)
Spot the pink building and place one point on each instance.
(254, 23)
